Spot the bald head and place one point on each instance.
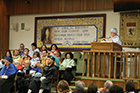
(108, 84)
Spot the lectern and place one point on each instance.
(105, 46)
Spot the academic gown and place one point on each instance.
(7, 84)
(48, 72)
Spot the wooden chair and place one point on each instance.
(54, 80)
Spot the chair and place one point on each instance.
(54, 80)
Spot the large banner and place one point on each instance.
(69, 33)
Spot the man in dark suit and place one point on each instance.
(79, 87)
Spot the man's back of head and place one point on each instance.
(130, 86)
(108, 84)
(116, 89)
(80, 85)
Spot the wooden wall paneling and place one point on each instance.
(91, 5)
(34, 6)
(60, 5)
(1, 24)
(108, 4)
(55, 5)
(69, 5)
(76, 5)
(10, 6)
(100, 4)
(18, 6)
(42, 6)
(82, 5)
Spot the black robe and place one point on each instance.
(48, 72)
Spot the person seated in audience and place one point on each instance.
(66, 67)
(57, 59)
(16, 57)
(107, 85)
(7, 75)
(34, 49)
(36, 57)
(80, 85)
(116, 89)
(92, 88)
(130, 87)
(26, 56)
(53, 49)
(44, 83)
(63, 87)
(36, 68)
(19, 65)
(24, 77)
(43, 47)
(44, 57)
(21, 50)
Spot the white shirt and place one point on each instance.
(116, 39)
(31, 52)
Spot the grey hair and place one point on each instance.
(80, 85)
(28, 61)
(108, 84)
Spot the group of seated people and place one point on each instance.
(34, 69)
(63, 87)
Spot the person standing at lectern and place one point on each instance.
(115, 38)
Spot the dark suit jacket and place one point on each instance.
(79, 92)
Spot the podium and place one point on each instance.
(103, 58)
(105, 46)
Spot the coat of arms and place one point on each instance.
(131, 29)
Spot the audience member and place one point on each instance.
(26, 56)
(7, 75)
(19, 65)
(21, 50)
(57, 59)
(116, 89)
(44, 57)
(66, 67)
(43, 47)
(53, 49)
(80, 85)
(36, 68)
(63, 87)
(107, 86)
(92, 88)
(44, 83)
(130, 87)
(36, 57)
(16, 57)
(34, 49)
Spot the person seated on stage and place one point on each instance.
(26, 56)
(7, 75)
(44, 58)
(92, 88)
(21, 50)
(130, 87)
(16, 57)
(115, 38)
(43, 47)
(66, 67)
(34, 49)
(116, 89)
(80, 85)
(53, 49)
(36, 68)
(63, 87)
(107, 85)
(44, 83)
(19, 65)
(36, 57)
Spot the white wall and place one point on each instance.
(27, 37)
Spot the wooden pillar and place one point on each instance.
(83, 64)
(121, 65)
(88, 64)
(93, 65)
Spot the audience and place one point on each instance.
(36, 57)
(21, 49)
(34, 49)
(66, 67)
(130, 87)
(92, 88)
(116, 89)
(7, 75)
(44, 57)
(44, 83)
(53, 49)
(26, 56)
(107, 86)
(16, 57)
(63, 87)
(79, 87)
(19, 65)
(43, 47)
